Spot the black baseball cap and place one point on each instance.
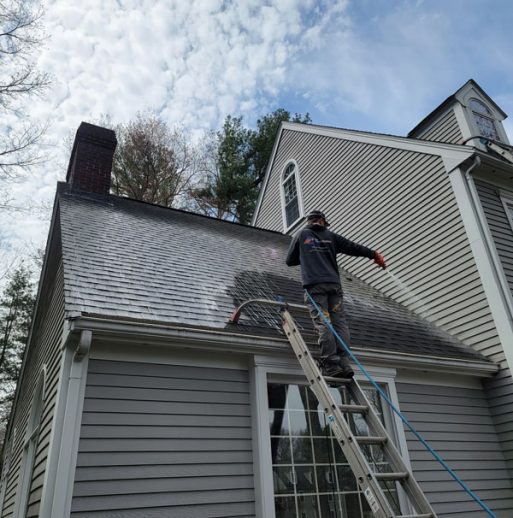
(317, 214)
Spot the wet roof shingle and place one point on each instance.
(128, 259)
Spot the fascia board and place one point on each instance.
(219, 341)
(41, 285)
(428, 147)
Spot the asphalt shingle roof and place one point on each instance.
(132, 260)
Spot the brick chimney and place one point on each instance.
(90, 164)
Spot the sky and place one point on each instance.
(376, 65)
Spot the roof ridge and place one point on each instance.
(62, 188)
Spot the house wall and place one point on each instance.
(458, 424)
(445, 129)
(164, 440)
(402, 203)
(44, 350)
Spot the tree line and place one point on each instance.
(218, 176)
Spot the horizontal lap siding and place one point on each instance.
(458, 424)
(402, 203)
(501, 387)
(446, 129)
(164, 441)
(45, 349)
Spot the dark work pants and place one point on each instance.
(329, 298)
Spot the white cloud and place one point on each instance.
(194, 62)
(361, 64)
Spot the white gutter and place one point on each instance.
(222, 341)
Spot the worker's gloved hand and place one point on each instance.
(379, 259)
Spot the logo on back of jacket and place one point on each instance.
(317, 245)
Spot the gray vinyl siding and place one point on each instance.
(402, 203)
(445, 129)
(501, 386)
(499, 225)
(164, 441)
(458, 425)
(45, 349)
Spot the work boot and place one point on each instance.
(340, 366)
(347, 370)
(331, 369)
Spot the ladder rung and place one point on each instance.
(354, 408)
(402, 475)
(337, 381)
(369, 439)
(425, 515)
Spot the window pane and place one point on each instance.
(302, 450)
(486, 126)
(285, 507)
(292, 212)
(479, 107)
(305, 479)
(283, 480)
(330, 507)
(280, 450)
(290, 169)
(307, 507)
(289, 189)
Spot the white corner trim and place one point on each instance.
(75, 377)
(264, 490)
(481, 243)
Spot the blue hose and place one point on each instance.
(397, 411)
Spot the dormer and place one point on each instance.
(463, 118)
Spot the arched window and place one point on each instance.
(484, 119)
(29, 447)
(291, 195)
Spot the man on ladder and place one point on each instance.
(315, 249)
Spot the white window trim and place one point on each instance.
(30, 445)
(284, 370)
(299, 196)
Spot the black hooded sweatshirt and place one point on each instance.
(315, 248)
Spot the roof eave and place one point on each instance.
(127, 331)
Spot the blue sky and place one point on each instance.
(377, 65)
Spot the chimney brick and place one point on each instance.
(90, 164)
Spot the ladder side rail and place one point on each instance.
(410, 485)
(341, 430)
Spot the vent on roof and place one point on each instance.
(90, 164)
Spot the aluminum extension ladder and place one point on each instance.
(368, 481)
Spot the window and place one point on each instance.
(311, 476)
(483, 118)
(290, 195)
(29, 447)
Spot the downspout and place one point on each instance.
(488, 241)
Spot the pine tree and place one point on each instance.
(235, 164)
(16, 307)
